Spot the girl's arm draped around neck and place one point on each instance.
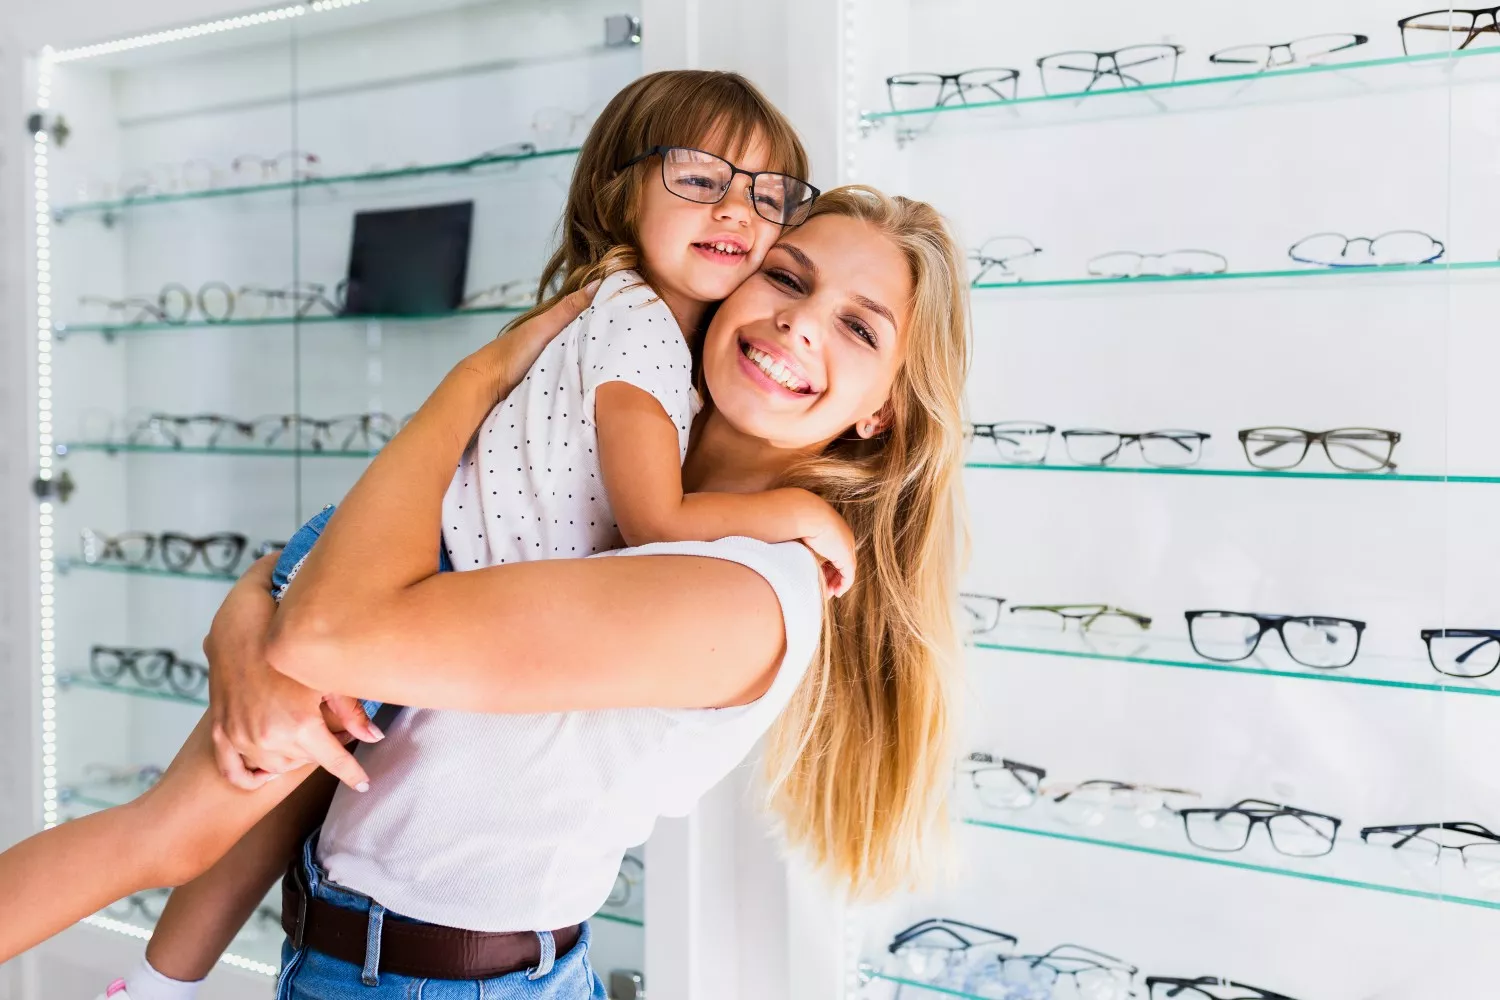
(370, 616)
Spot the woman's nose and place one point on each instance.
(801, 325)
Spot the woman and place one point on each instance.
(631, 684)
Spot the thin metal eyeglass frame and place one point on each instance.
(1090, 613)
(1222, 59)
(1175, 435)
(1118, 72)
(1414, 831)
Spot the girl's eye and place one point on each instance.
(785, 279)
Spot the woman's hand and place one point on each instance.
(510, 356)
(264, 723)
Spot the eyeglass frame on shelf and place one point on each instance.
(1487, 635)
(1258, 812)
(1275, 623)
(1219, 57)
(1309, 438)
(1099, 57)
(1404, 24)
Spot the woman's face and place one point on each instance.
(809, 346)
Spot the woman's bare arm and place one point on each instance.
(553, 635)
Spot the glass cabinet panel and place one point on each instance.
(265, 239)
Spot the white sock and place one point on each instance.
(145, 983)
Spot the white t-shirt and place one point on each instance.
(519, 822)
(529, 487)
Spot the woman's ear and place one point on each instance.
(876, 423)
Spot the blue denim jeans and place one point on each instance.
(311, 975)
(295, 553)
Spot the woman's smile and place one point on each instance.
(774, 368)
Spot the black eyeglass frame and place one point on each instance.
(804, 207)
(1194, 984)
(1219, 57)
(1413, 831)
(1177, 436)
(1007, 76)
(1404, 24)
(1277, 624)
(1257, 812)
(1099, 60)
(1310, 438)
(1485, 635)
(946, 926)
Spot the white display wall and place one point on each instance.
(1244, 169)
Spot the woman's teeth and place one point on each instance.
(776, 370)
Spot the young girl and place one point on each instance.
(584, 454)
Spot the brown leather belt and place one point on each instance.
(422, 951)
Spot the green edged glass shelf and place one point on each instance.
(618, 918)
(1352, 864)
(114, 207)
(1369, 670)
(1296, 273)
(67, 564)
(869, 973)
(1330, 80)
(88, 683)
(111, 448)
(112, 330)
(1378, 477)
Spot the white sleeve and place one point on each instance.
(794, 575)
(629, 335)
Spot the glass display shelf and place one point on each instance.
(1434, 268)
(619, 917)
(67, 682)
(1371, 670)
(1146, 470)
(254, 950)
(1352, 863)
(114, 207)
(111, 448)
(1331, 80)
(868, 973)
(112, 330)
(67, 564)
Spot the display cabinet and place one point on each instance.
(1230, 687)
(260, 241)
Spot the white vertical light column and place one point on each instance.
(46, 564)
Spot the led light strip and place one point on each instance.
(852, 133)
(195, 30)
(46, 564)
(131, 930)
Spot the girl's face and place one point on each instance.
(694, 253)
(809, 347)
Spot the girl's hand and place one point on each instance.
(264, 723)
(832, 541)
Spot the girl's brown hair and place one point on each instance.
(684, 107)
(859, 763)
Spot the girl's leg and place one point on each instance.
(193, 818)
(203, 916)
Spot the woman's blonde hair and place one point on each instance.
(859, 764)
(680, 107)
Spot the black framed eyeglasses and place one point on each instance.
(174, 430)
(1449, 30)
(220, 551)
(1003, 784)
(1318, 641)
(1297, 51)
(1206, 988)
(352, 432)
(702, 177)
(1399, 246)
(1297, 833)
(1082, 72)
(1021, 442)
(1463, 652)
(1353, 449)
(151, 668)
(1166, 449)
(921, 91)
(933, 949)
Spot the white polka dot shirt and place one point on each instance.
(530, 486)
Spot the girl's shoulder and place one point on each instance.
(626, 292)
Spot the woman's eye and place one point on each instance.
(862, 332)
(784, 278)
